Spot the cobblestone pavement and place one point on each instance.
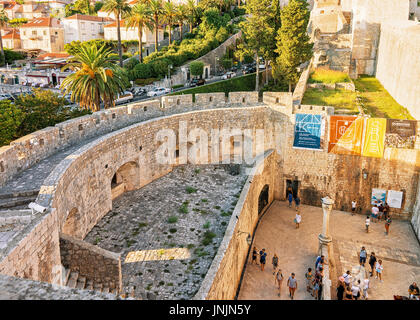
(297, 251)
(140, 220)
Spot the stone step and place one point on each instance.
(98, 287)
(66, 276)
(15, 202)
(81, 283)
(89, 284)
(19, 194)
(73, 280)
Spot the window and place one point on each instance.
(34, 32)
(45, 32)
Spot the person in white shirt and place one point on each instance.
(365, 288)
(298, 219)
(353, 207)
(355, 290)
(347, 277)
(375, 213)
(367, 223)
(379, 269)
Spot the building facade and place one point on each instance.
(83, 28)
(43, 33)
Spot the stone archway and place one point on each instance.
(126, 178)
(72, 222)
(263, 198)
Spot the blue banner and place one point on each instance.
(308, 131)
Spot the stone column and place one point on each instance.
(324, 237)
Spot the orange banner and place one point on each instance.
(373, 145)
(345, 135)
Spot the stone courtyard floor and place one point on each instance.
(297, 251)
(160, 229)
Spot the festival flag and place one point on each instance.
(346, 135)
(373, 145)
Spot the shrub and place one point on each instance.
(227, 63)
(190, 189)
(196, 68)
(208, 238)
(172, 230)
(222, 34)
(143, 70)
(172, 219)
(10, 119)
(183, 208)
(206, 225)
(145, 82)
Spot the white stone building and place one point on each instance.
(110, 33)
(46, 34)
(80, 27)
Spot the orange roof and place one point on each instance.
(39, 22)
(89, 18)
(13, 34)
(53, 55)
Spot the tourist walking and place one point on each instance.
(316, 285)
(290, 198)
(375, 212)
(297, 203)
(319, 274)
(263, 257)
(298, 219)
(347, 277)
(340, 288)
(372, 262)
(381, 211)
(413, 291)
(353, 207)
(386, 210)
(348, 293)
(292, 284)
(279, 280)
(362, 256)
(319, 259)
(379, 268)
(366, 283)
(355, 290)
(254, 256)
(367, 223)
(388, 222)
(275, 262)
(309, 280)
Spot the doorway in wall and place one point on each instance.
(293, 187)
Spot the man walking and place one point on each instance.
(372, 262)
(263, 256)
(387, 224)
(353, 207)
(362, 256)
(297, 203)
(292, 284)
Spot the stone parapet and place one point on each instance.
(243, 97)
(210, 99)
(90, 261)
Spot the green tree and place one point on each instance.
(196, 68)
(96, 77)
(293, 46)
(118, 8)
(11, 117)
(17, 22)
(4, 20)
(193, 13)
(256, 31)
(156, 6)
(43, 109)
(140, 17)
(181, 17)
(170, 12)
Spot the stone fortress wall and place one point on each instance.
(81, 182)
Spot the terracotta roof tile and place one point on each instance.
(89, 18)
(39, 22)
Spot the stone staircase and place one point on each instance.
(73, 280)
(17, 200)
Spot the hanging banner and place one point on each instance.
(378, 196)
(400, 133)
(373, 145)
(308, 128)
(346, 135)
(394, 199)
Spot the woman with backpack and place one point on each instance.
(279, 280)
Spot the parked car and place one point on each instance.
(158, 91)
(139, 91)
(249, 69)
(125, 97)
(197, 82)
(228, 75)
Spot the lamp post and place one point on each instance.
(169, 76)
(325, 238)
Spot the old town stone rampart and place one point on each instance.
(79, 192)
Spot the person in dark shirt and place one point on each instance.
(372, 261)
(414, 292)
(340, 289)
(263, 257)
(297, 203)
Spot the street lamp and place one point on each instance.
(169, 76)
(248, 238)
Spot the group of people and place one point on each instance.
(313, 278)
(296, 199)
(378, 212)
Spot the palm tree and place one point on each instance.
(4, 19)
(96, 77)
(118, 8)
(156, 6)
(181, 17)
(140, 17)
(191, 13)
(170, 12)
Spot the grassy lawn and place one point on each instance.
(376, 101)
(339, 99)
(242, 83)
(321, 75)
